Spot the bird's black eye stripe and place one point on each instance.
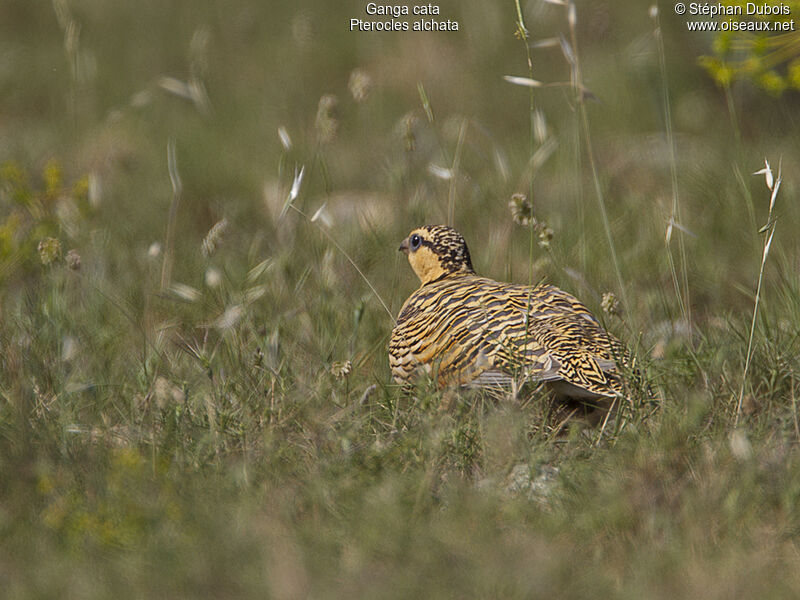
(415, 241)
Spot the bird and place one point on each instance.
(466, 330)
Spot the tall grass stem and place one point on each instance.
(769, 232)
(681, 284)
(177, 190)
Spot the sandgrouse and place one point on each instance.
(464, 329)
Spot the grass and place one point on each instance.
(773, 185)
(177, 415)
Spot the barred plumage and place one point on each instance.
(470, 330)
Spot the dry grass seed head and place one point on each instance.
(521, 210)
(359, 85)
(326, 123)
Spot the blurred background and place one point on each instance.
(101, 89)
(185, 185)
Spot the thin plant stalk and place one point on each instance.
(451, 196)
(769, 232)
(577, 82)
(522, 32)
(455, 163)
(333, 241)
(169, 242)
(682, 286)
(794, 410)
(294, 192)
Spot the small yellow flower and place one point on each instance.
(80, 190)
(772, 83)
(793, 74)
(52, 178)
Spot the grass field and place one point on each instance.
(178, 416)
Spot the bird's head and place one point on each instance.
(436, 251)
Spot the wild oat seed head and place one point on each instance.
(523, 81)
(49, 250)
(286, 141)
(323, 216)
(521, 209)
(775, 191)
(295, 191)
(359, 85)
(296, 183)
(566, 50)
(176, 87)
(539, 126)
(767, 173)
(440, 172)
(572, 15)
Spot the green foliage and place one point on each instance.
(36, 217)
(771, 61)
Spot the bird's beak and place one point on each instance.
(403, 246)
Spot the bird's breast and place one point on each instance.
(440, 326)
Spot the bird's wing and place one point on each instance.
(481, 332)
(546, 334)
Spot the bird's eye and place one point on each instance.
(415, 241)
